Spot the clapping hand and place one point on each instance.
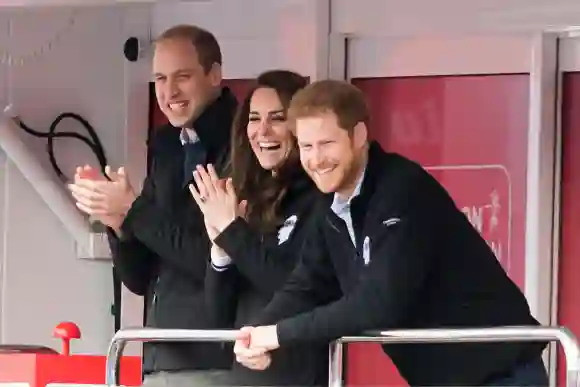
(216, 199)
(106, 200)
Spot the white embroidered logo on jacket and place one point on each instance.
(366, 252)
(390, 222)
(286, 229)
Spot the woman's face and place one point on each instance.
(268, 131)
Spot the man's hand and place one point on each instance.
(108, 201)
(246, 354)
(264, 337)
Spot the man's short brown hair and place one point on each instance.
(346, 101)
(205, 43)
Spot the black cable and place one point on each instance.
(93, 142)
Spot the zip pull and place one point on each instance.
(155, 291)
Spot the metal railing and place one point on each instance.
(123, 336)
(498, 334)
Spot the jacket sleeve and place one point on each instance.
(262, 265)
(176, 241)
(221, 289)
(400, 257)
(313, 282)
(150, 235)
(135, 262)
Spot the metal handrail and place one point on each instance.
(496, 334)
(125, 335)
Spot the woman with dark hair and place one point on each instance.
(257, 244)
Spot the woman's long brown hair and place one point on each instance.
(263, 191)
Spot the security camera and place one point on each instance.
(132, 49)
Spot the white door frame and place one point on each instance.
(568, 55)
(492, 53)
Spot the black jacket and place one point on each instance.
(428, 268)
(262, 264)
(164, 249)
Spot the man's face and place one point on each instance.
(182, 86)
(328, 153)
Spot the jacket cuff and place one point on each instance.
(287, 332)
(231, 236)
(137, 214)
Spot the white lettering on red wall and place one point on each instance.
(483, 193)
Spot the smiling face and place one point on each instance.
(268, 132)
(332, 156)
(182, 86)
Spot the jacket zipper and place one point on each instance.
(155, 291)
(154, 310)
(346, 238)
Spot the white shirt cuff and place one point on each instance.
(220, 262)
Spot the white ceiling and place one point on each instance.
(43, 3)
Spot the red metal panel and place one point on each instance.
(569, 292)
(41, 369)
(471, 132)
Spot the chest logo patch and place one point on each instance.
(366, 250)
(286, 230)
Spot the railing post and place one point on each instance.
(572, 372)
(112, 374)
(335, 364)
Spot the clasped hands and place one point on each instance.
(253, 346)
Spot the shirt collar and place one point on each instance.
(339, 205)
(213, 126)
(188, 136)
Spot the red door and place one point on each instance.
(569, 263)
(471, 132)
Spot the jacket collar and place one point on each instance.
(213, 126)
(338, 204)
(372, 172)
